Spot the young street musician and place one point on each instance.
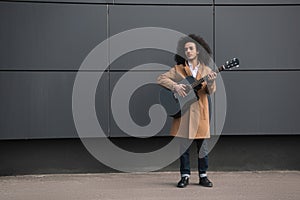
(193, 57)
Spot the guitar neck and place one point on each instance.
(198, 82)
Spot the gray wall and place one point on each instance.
(44, 44)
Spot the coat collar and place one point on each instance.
(189, 73)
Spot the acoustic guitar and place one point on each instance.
(176, 105)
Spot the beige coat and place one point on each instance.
(194, 124)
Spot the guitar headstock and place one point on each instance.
(234, 62)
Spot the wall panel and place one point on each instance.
(257, 2)
(170, 2)
(39, 104)
(262, 103)
(71, 1)
(263, 37)
(45, 36)
(185, 19)
(138, 105)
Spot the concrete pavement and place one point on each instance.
(266, 185)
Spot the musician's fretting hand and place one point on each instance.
(211, 77)
(180, 89)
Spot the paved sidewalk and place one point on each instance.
(270, 185)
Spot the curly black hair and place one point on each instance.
(203, 48)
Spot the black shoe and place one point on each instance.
(205, 182)
(183, 182)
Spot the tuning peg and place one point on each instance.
(236, 60)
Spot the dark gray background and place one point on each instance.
(43, 45)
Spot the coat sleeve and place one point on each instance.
(168, 79)
(210, 86)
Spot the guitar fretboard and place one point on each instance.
(205, 78)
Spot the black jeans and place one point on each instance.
(185, 167)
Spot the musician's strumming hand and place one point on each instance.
(180, 89)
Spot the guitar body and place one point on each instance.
(176, 105)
